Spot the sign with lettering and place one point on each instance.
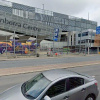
(16, 24)
(98, 30)
(56, 33)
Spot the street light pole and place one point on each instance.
(6, 45)
(36, 43)
(88, 46)
(88, 37)
(80, 41)
(14, 43)
(67, 42)
(43, 6)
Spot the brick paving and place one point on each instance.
(19, 70)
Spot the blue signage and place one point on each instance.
(98, 30)
(56, 33)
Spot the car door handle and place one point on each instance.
(83, 89)
(66, 97)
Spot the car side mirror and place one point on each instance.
(47, 98)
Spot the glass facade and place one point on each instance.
(48, 18)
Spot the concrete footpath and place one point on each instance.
(4, 58)
(28, 69)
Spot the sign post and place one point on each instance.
(55, 36)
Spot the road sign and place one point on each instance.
(98, 30)
(56, 33)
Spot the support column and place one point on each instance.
(88, 47)
(97, 50)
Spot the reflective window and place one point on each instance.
(34, 87)
(83, 25)
(31, 15)
(78, 24)
(89, 26)
(66, 22)
(18, 12)
(57, 89)
(85, 34)
(71, 22)
(75, 82)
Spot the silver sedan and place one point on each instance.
(57, 84)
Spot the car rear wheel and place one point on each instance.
(90, 97)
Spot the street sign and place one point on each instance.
(56, 33)
(98, 30)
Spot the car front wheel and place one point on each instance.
(90, 97)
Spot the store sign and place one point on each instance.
(20, 25)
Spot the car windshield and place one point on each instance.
(35, 86)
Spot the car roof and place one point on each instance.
(58, 73)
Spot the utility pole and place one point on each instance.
(36, 44)
(43, 6)
(14, 43)
(67, 42)
(80, 40)
(88, 37)
(6, 45)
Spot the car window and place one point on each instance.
(75, 82)
(35, 86)
(57, 88)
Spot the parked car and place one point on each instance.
(57, 84)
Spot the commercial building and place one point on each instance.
(31, 21)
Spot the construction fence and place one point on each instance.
(25, 47)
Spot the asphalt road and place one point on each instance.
(8, 81)
(45, 61)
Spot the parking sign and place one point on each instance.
(56, 32)
(98, 30)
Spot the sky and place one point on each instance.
(78, 8)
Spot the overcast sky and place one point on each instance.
(77, 8)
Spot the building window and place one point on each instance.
(79, 35)
(26, 13)
(71, 39)
(85, 34)
(42, 11)
(63, 21)
(74, 39)
(18, 12)
(31, 15)
(66, 22)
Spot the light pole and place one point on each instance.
(80, 41)
(88, 46)
(67, 42)
(88, 37)
(43, 6)
(14, 43)
(6, 45)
